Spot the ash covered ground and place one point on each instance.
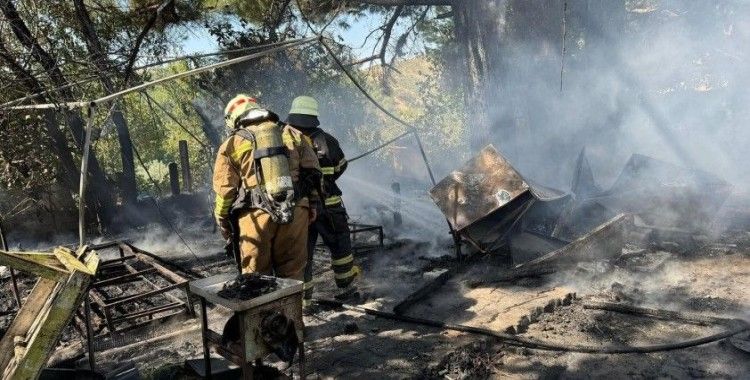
(707, 276)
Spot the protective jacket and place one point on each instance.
(235, 168)
(332, 224)
(332, 162)
(265, 246)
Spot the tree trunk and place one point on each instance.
(104, 69)
(479, 30)
(101, 199)
(208, 129)
(128, 185)
(60, 146)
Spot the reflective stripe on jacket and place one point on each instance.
(332, 161)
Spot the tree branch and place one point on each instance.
(392, 3)
(28, 80)
(387, 30)
(94, 46)
(401, 41)
(363, 60)
(24, 36)
(139, 40)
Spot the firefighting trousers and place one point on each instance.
(274, 249)
(333, 227)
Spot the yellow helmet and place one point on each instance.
(236, 107)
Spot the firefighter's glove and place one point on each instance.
(310, 182)
(313, 213)
(225, 226)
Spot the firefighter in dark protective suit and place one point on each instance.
(332, 222)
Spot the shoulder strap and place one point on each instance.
(260, 152)
(245, 134)
(315, 133)
(268, 152)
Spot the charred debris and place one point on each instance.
(80, 305)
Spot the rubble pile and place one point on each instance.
(474, 361)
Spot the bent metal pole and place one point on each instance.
(144, 67)
(155, 82)
(411, 128)
(84, 175)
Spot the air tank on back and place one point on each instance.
(275, 173)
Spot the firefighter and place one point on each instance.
(266, 178)
(332, 223)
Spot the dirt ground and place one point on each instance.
(711, 279)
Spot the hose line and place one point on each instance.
(740, 326)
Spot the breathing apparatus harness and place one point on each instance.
(275, 192)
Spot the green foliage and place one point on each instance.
(419, 95)
(25, 160)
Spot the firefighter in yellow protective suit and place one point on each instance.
(266, 195)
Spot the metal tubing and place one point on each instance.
(84, 176)
(355, 228)
(154, 285)
(148, 312)
(130, 277)
(135, 326)
(188, 302)
(247, 368)
(204, 335)
(302, 360)
(89, 333)
(118, 301)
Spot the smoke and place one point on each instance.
(674, 285)
(374, 202)
(667, 81)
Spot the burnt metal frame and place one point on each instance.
(356, 228)
(107, 305)
(130, 253)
